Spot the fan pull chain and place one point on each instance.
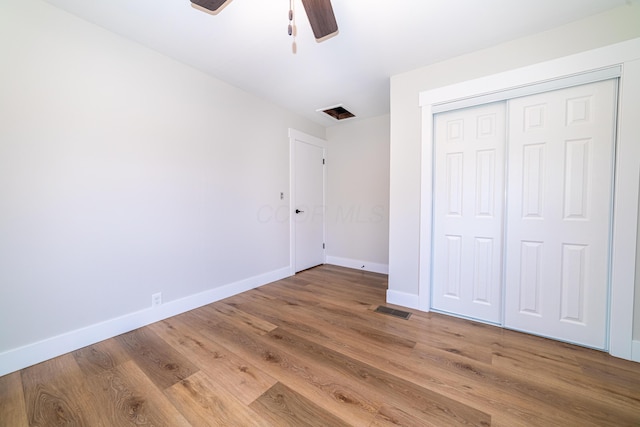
(292, 30)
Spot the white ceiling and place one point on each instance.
(247, 44)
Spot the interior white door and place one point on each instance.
(308, 209)
(561, 147)
(468, 212)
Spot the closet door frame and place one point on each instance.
(625, 56)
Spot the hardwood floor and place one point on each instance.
(310, 350)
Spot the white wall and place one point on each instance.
(358, 194)
(599, 30)
(124, 173)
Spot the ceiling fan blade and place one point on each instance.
(212, 6)
(321, 17)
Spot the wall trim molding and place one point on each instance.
(403, 299)
(358, 264)
(31, 354)
(635, 351)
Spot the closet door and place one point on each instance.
(559, 193)
(468, 212)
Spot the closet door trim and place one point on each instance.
(626, 56)
(530, 89)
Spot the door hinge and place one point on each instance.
(323, 161)
(323, 246)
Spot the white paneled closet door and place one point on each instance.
(560, 171)
(468, 212)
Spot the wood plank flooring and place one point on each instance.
(310, 350)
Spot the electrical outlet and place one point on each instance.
(156, 299)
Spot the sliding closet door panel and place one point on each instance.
(559, 187)
(468, 212)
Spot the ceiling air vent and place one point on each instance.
(337, 112)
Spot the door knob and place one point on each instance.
(298, 211)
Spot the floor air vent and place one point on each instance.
(391, 312)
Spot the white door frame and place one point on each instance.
(627, 184)
(295, 135)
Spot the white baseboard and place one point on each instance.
(403, 299)
(635, 350)
(22, 357)
(358, 264)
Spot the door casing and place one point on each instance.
(625, 55)
(296, 136)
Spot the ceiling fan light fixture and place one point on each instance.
(292, 27)
(321, 18)
(212, 7)
(319, 12)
